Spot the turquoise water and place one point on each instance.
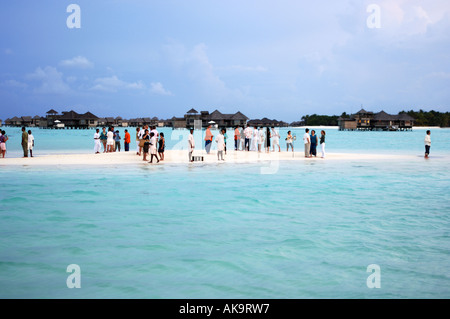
(76, 141)
(227, 231)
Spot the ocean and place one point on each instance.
(377, 142)
(310, 230)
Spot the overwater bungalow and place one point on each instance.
(265, 122)
(369, 121)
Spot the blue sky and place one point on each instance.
(278, 59)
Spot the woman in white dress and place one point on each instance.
(153, 141)
(220, 140)
(261, 138)
(254, 146)
(275, 139)
(110, 141)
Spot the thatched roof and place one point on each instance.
(383, 116)
(192, 111)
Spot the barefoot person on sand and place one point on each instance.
(220, 140)
(322, 142)
(161, 146)
(275, 139)
(307, 141)
(138, 148)
(153, 142)
(146, 139)
(191, 144)
(30, 143)
(104, 139)
(3, 140)
(97, 144)
(110, 141)
(127, 141)
(289, 141)
(24, 142)
(208, 139)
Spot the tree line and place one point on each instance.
(422, 118)
(429, 118)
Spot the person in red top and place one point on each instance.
(208, 139)
(127, 141)
(237, 138)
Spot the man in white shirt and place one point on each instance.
(97, 144)
(427, 144)
(155, 132)
(191, 144)
(248, 137)
(307, 141)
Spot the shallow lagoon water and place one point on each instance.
(81, 141)
(227, 231)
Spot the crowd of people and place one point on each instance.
(150, 142)
(110, 140)
(262, 139)
(311, 141)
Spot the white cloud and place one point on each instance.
(14, 84)
(439, 75)
(243, 68)
(77, 62)
(113, 84)
(158, 88)
(194, 66)
(71, 79)
(51, 81)
(409, 17)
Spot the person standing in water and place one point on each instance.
(427, 143)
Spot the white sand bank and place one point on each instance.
(181, 157)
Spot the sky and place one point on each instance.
(279, 59)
